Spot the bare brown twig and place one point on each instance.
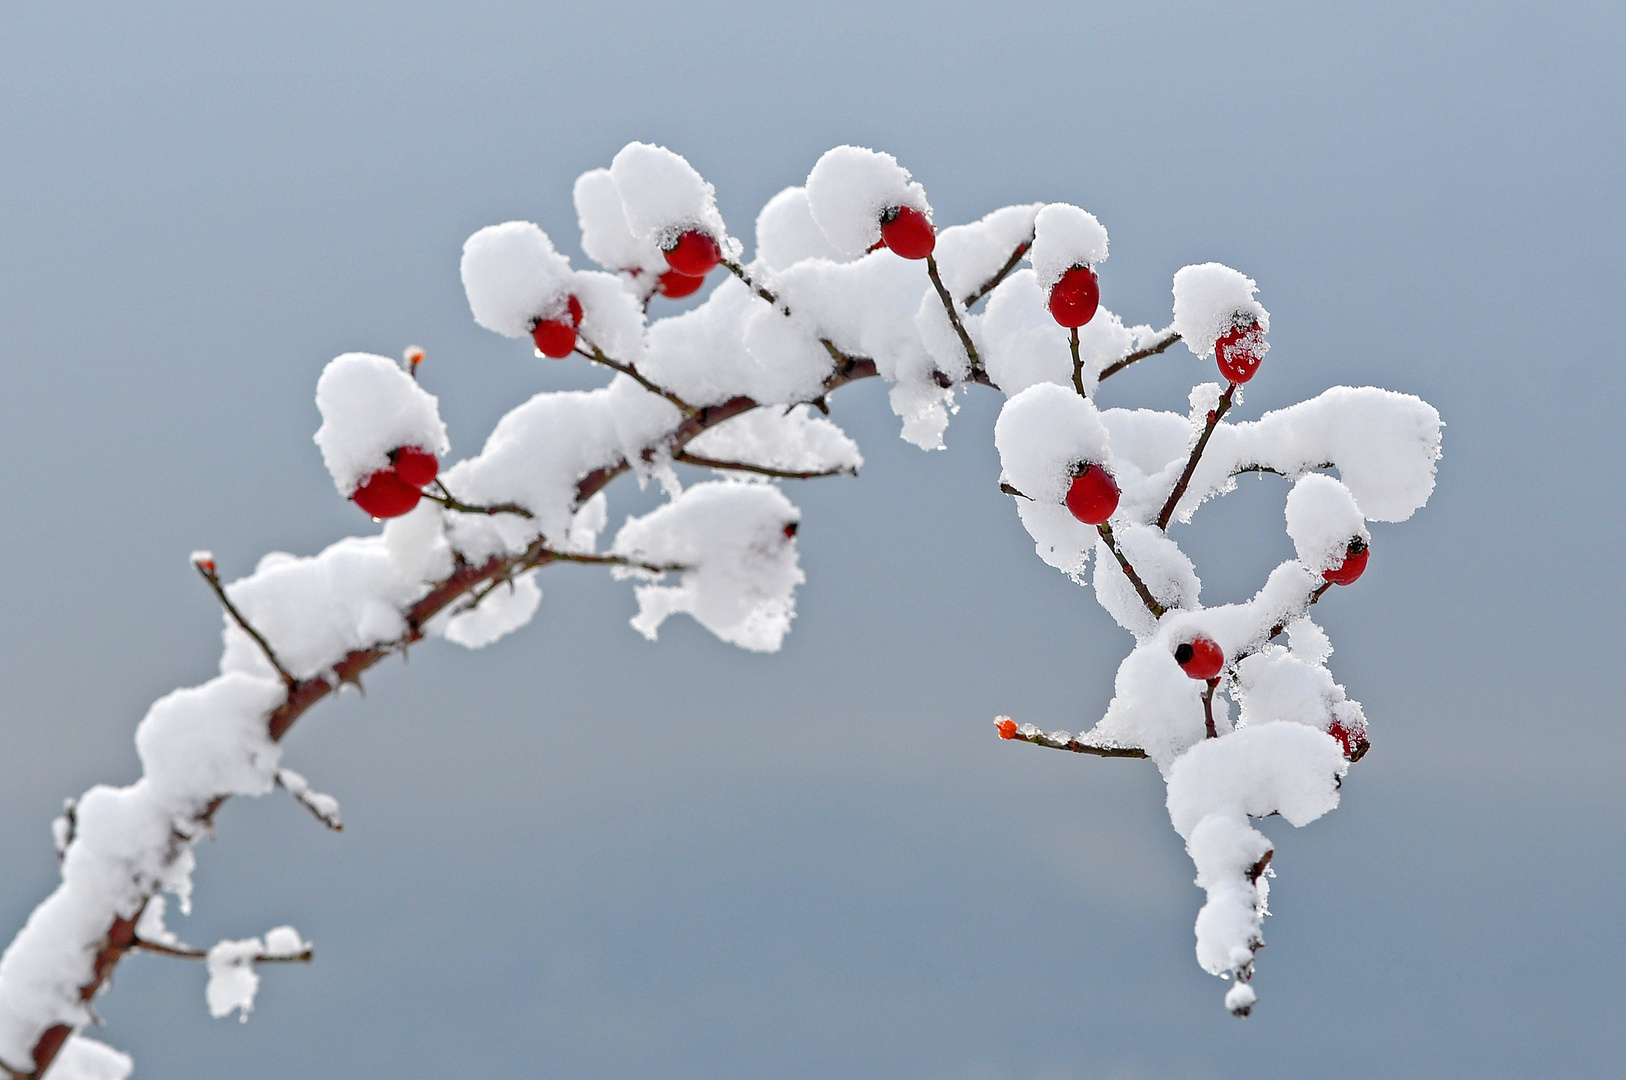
(1039, 738)
(1215, 415)
(1145, 594)
(1078, 364)
(451, 502)
(206, 567)
(974, 362)
(1004, 272)
(1169, 338)
(186, 952)
(762, 470)
(595, 354)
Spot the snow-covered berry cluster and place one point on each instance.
(851, 279)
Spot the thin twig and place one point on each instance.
(597, 356)
(1004, 272)
(761, 470)
(451, 502)
(1169, 338)
(1039, 738)
(954, 316)
(612, 560)
(767, 294)
(1078, 364)
(1215, 415)
(1146, 596)
(1007, 489)
(207, 569)
(1278, 472)
(186, 952)
(1208, 708)
(300, 790)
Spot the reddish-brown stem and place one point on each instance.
(1078, 363)
(1145, 594)
(1208, 708)
(1039, 738)
(185, 952)
(971, 357)
(761, 470)
(1004, 272)
(595, 354)
(451, 502)
(1169, 338)
(1215, 415)
(213, 578)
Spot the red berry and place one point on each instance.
(1075, 297)
(386, 495)
(1006, 726)
(695, 254)
(1239, 351)
(677, 286)
(1201, 659)
(908, 232)
(1354, 743)
(415, 465)
(1354, 564)
(575, 307)
(554, 338)
(790, 530)
(1093, 495)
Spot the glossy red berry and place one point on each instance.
(555, 338)
(1353, 566)
(1202, 658)
(1006, 726)
(677, 286)
(1093, 496)
(415, 465)
(1075, 297)
(575, 307)
(1238, 352)
(386, 495)
(695, 254)
(1354, 743)
(908, 232)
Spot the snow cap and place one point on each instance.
(1042, 433)
(849, 189)
(369, 407)
(663, 196)
(606, 237)
(787, 233)
(1207, 299)
(1065, 236)
(1322, 518)
(513, 277)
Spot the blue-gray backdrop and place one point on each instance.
(576, 854)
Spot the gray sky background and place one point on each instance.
(575, 854)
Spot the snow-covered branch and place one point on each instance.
(851, 280)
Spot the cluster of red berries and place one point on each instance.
(1238, 350)
(692, 256)
(393, 491)
(1075, 297)
(1093, 495)
(556, 338)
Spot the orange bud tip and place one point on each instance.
(1006, 726)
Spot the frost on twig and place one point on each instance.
(324, 808)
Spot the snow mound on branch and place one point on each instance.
(794, 441)
(1276, 685)
(849, 189)
(210, 740)
(1043, 434)
(663, 196)
(1022, 346)
(1161, 566)
(607, 239)
(1213, 789)
(970, 255)
(1208, 298)
(787, 233)
(83, 1058)
(742, 566)
(505, 609)
(513, 277)
(369, 407)
(233, 982)
(1065, 236)
(315, 610)
(1322, 519)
